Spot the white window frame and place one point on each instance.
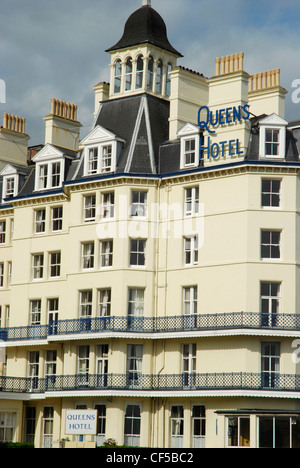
(35, 312)
(189, 132)
(40, 224)
(271, 194)
(37, 267)
(106, 253)
(104, 302)
(108, 205)
(177, 426)
(12, 193)
(270, 303)
(101, 167)
(88, 255)
(192, 200)
(132, 439)
(50, 174)
(55, 265)
(272, 122)
(271, 244)
(238, 417)
(136, 302)
(56, 221)
(3, 225)
(8, 425)
(138, 252)
(89, 207)
(193, 252)
(190, 300)
(85, 303)
(117, 76)
(138, 208)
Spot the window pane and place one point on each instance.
(244, 432)
(233, 432)
(295, 422)
(265, 432)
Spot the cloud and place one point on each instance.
(57, 48)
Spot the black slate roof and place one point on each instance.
(292, 144)
(143, 122)
(145, 25)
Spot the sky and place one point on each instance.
(56, 48)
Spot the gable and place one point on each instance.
(188, 129)
(8, 170)
(273, 120)
(98, 135)
(47, 153)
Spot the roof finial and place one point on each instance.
(147, 3)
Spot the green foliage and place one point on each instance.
(15, 445)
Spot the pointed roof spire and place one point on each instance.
(146, 3)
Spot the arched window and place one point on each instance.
(118, 74)
(150, 74)
(139, 72)
(128, 74)
(159, 75)
(168, 80)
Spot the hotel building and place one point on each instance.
(150, 271)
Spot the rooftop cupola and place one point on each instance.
(145, 26)
(142, 59)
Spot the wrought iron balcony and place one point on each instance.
(132, 383)
(154, 325)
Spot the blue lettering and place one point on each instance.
(223, 143)
(228, 116)
(231, 149)
(214, 123)
(203, 123)
(221, 117)
(237, 148)
(213, 147)
(236, 114)
(245, 109)
(206, 148)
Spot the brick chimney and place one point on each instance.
(13, 141)
(62, 126)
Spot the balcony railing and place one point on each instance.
(152, 383)
(157, 325)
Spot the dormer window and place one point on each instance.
(272, 139)
(189, 146)
(99, 159)
(189, 156)
(49, 175)
(93, 160)
(50, 168)
(106, 161)
(11, 178)
(272, 143)
(101, 151)
(10, 187)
